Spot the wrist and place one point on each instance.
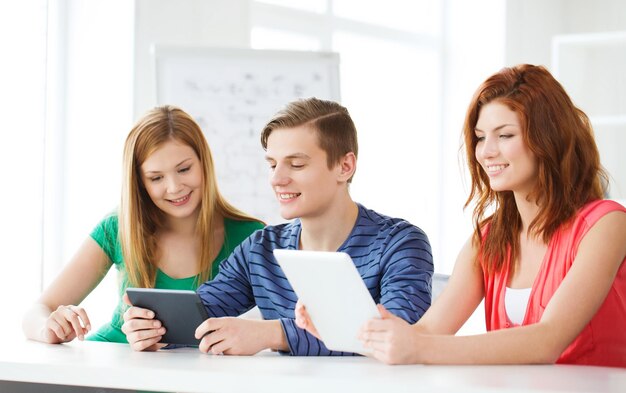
(276, 336)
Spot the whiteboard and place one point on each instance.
(232, 93)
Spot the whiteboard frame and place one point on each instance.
(164, 52)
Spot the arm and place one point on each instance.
(573, 305)
(230, 294)
(54, 318)
(406, 273)
(460, 297)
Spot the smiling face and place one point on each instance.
(172, 176)
(501, 150)
(304, 185)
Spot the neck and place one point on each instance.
(329, 230)
(528, 210)
(182, 226)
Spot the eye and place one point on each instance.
(297, 166)
(156, 179)
(183, 170)
(506, 136)
(480, 138)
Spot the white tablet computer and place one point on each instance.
(334, 293)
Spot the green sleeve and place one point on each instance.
(106, 235)
(237, 231)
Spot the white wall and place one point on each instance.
(593, 77)
(219, 23)
(531, 24)
(471, 56)
(22, 109)
(89, 111)
(93, 105)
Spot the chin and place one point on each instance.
(289, 213)
(288, 216)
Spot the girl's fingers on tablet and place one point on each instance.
(126, 300)
(138, 312)
(146, 345)
(133, 325)
(142, 339)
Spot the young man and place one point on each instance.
(312, 151)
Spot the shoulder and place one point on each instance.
(108, 226)
(388, 226)
(105, 234)
(386, 238)
(282, 235)
(237, 231)
(607, 214)
(234, 226)
(274, 236)
(592, 212)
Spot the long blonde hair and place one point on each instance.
(139, 218)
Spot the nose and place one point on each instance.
(279, 176)
(174, 185)
(488, 148)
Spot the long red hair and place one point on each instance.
(561, 139)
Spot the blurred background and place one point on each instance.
(76, 74)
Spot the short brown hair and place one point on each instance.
(335, 129)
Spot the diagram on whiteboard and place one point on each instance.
(232, 94)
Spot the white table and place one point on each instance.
(187, 370)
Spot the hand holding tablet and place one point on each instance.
(334, 293)
(180, 312)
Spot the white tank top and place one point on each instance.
(515, 303)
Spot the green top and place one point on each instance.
(106, 235)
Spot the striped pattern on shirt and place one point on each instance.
(392, 256)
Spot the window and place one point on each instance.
(22, 103)
(62, 138)
(390, 76)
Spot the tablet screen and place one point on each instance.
(334, 293)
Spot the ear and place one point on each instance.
(347, 167)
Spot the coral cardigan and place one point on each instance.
(603, 341)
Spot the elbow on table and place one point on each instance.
(548, 356)
(551, 352)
